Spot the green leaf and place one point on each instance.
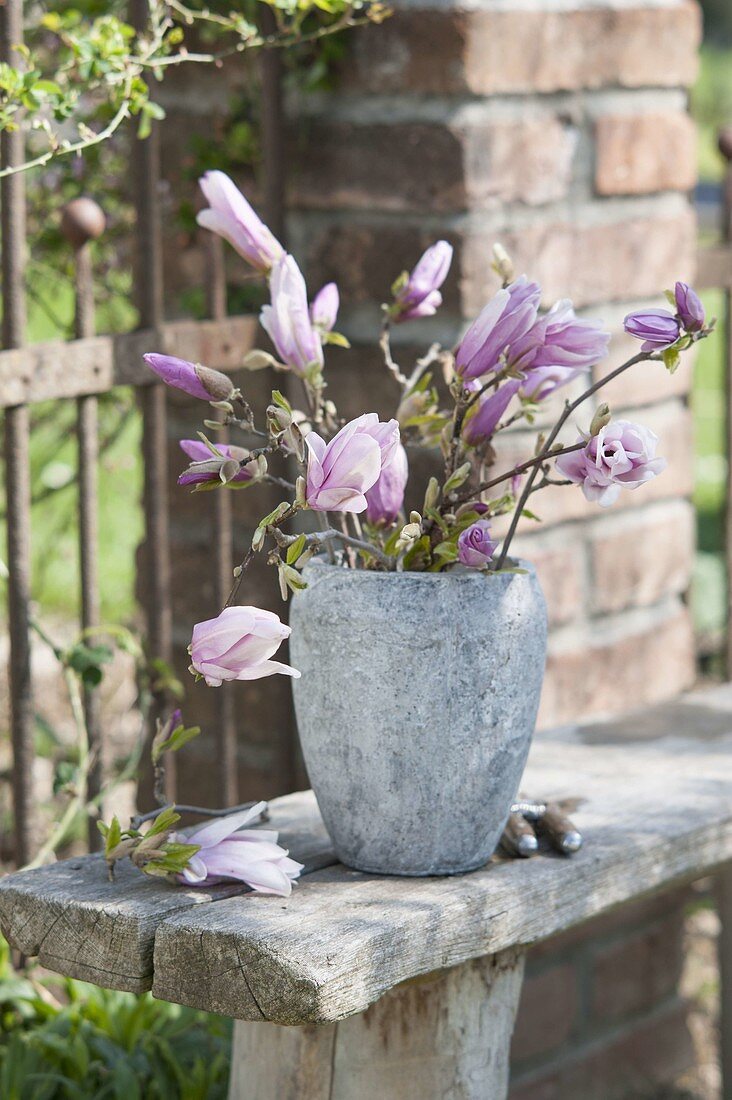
(671, 359)
(337, 339)
(180, 736)
(113, 835)
(295, 550)
(165, 820)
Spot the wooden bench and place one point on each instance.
(402, 988)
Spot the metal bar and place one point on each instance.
(17, 461)
(272, 133)
(223, 537)
(82, 221)
(724, 949)
(725, 145)
(146, 157)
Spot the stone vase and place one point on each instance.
(416, 709)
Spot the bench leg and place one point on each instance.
(724, 901)
(446, 1034)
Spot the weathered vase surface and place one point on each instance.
(416, 709)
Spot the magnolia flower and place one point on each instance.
(252, 856)
(339, 473)
(238, 645)
(420, 296)
(689, 308)
(287, 320)
(507, 327)
(386, 497)
(208, 467)
(475, 545)
(230, 215)
(324, 308)
(488, 412)
(192, 378)
(570, 347)
(621, 455)
(657, 328)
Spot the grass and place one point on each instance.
(710, 469)
(55, 552)
(711, 104)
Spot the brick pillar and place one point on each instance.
(559, 129)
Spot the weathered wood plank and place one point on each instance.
(656, 811)
(446, 1034)
(82, 925)
(64, 369)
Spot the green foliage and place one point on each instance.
(98, 72)
(66, 1040)
(711, 103)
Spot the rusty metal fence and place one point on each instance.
(81, 370)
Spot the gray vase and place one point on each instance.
(416, 709)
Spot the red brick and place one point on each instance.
(460, 162)
(546, 1013)
(589, 673)
(489, 52)
(615, 260)
(612, 260)
(622, 920)
(638, 558)
(635, 974)
(651, 1052)
(562, 567)
(640, 153)
(646, 383)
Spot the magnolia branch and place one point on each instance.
(546, 451)
(320, 538)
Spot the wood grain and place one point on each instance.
(82, 925)
(63, 369)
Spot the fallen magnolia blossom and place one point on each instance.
(227, 851)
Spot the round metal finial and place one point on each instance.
(82, 220)
(724, 142)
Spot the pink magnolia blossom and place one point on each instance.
(287, 320)
(657, 328)
(621, 455)
(206, 466)
(324, 308)
(489, 410)
(230, 215)
(252, 856)
(507, 327)
(475, 545)
(386, 497)
(420, 296)
(689, 307)
(570, 346)
(340, 473)
(191, 378)
(238, 645)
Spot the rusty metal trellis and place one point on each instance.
(17, 460)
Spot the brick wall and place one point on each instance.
(600, 1014)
